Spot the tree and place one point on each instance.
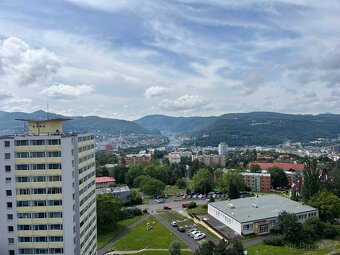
(255, 168)
(119, 173)
(133, 199)
(222, 248)
(152, 187)
(328, 205)
(181, 183)
(232, 183)
(175, 248)
(315, 228)
(108, 209)
(132, 173)
(294, 195)
(311, 181)
(203, 181)
(278, 177)
(206, 248)
(288, 225)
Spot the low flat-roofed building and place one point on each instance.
(104, 182)
(257, 214)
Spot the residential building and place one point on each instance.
(105, 182)
(47, 191)
(258, 182)
(223, 149)
(284, 166)
(257, 214)
(175, 157)
(211, 159)
(135, 159)
(294, 180)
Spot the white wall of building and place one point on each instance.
(225, 219)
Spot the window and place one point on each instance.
(38, 178)
(53, 142)
(7, 156)
(54, 191)
(39, 215)
(38, 167)
(8, 180)
(22, 155)
(9, 205)
(24, 227)
(55, 239)
(54, 154)
(8, 169)
(39, 191)
(26, 251)
(37, 142)
(21, 143)
(24, 215)
(55, 215)
(10, 228)
(23, 191)
(23, 179)
(54, 166)
(22, 167)
(54, 178)
(7, 144)
(54, 202)
(40, 227)
(38, 154)
(8, 193)
(55, 227)
(11, 252)
(25, 239)
(9, 216)
(10, 240)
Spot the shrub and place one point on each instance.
(192, 205)
(145, 210)
(205, 206)
(127, 213)
(272, 240)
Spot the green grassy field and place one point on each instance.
(324, 247)
(199, 210)
(139, 237)
(162, 253)
(173, 190)
(106, 234)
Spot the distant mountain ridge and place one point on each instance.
(254, 128)
(8, 124)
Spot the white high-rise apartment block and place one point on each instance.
(223, 149)
(47, 191)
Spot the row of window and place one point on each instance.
(39, 203)
(41, 251)
(87, 157)
(85, 138)
(87, 207)
(37, 142)
(86, 148)
(85, 178)
(51, 178)
(87, 167)
(40, 215)
(87, 187)
(40, 227)
(38, 154)
(39, 191)
(40, 239)
(37, 166)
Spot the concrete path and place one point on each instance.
(107, 247)
(254, 241)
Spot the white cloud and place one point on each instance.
(23, 65)
(67, 92)
(155, 91)
(185, 102)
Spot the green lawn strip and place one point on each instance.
(324, 247)
(165, 216)
(110, 231)
(199, 210)
(139, 237)
(161, 253)
(178, 215)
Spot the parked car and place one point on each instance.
(181, 229)
(173, 223)
(191, 230)
(193, 233)
(161, 200)
(199, 236)
(166, 207)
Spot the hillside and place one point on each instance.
(8, 124)
(266, 128)
(173, 124)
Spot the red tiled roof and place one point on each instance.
(105, 179)
(284, 166)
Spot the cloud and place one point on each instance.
(332, 60)
(185, 102)
(4, 95)
(252, 82)
(67, 92)
(24, 65)
(155, 91)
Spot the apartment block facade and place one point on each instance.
(47, 191)
(258, 182)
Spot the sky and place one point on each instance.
(126, 59)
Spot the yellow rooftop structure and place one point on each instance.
(50, 126)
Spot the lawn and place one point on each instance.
(162, 253)
(325, 247)
(199, 210)
(173, 190)
(139, 237)
(106, 234)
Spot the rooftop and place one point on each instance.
(257, 208)
(105, 179)
(284, 166)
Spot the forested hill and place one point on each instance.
(173, 124)
(9, 125)
(267, 128)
